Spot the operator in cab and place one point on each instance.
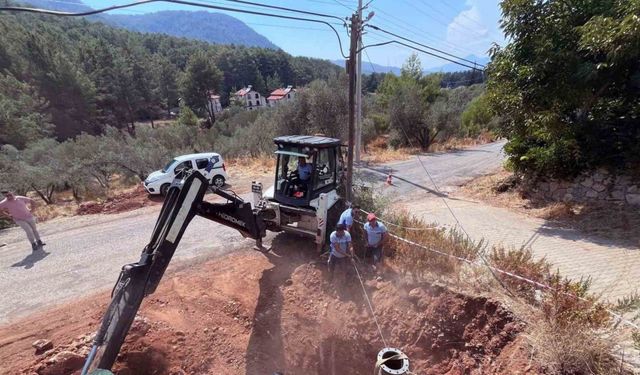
(304, 172)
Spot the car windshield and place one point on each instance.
(168, 166)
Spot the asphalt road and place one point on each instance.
(448, 170)
(85, 253)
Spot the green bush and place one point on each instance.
(567, 86)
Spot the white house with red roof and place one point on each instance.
(281, 95)
(249, 98)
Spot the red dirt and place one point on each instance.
(250, 313)
(127, 201)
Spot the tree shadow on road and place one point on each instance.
(30, 260)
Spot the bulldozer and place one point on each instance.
(305, 197)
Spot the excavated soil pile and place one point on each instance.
(250, 313)
(127, 201)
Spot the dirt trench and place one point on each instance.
(250, 313)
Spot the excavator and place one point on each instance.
(303, 199)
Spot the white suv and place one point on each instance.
(209, 164)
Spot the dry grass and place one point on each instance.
(572, 350)
(379, 156)
(59, 209)
(65, 205)
(462, 143)
(379, 151)
(264, 164)
(567, 335)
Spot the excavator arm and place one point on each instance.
(183, 202)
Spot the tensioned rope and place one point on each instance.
(617, 316)
(366, 297)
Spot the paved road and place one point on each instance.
(85, 253)
(448, 169)
(614, 266)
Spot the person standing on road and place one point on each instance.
(341, 251)
(347, 215)
(19, 209)
(376, 236)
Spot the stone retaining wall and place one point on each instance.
(598, 186)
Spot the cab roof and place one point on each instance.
(307, 140)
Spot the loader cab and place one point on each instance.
(307, 166)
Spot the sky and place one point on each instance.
(459, 27)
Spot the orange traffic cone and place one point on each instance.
(389, 180)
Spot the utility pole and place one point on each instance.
(351, 70)
(359, 92)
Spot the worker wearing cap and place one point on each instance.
(376, 235)
(347, 215)
(340, 249)
(19, 209)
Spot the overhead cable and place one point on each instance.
(423, 45)
(182, 2)
(419, 50)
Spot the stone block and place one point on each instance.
(591, 194)
(559, 194)
(543, 186)
(599, 176)
(599, 188)
(42, 345)
(623, 180)
(567, 198)
(633, 199)
(617, 195)
(633, 189)
(588, 182)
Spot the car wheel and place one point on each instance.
(218, 181)
(164, 189)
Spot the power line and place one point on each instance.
(383, 42)
(423, 45)
(342, 4)
(420, 50)
(288, 9)
(459, 13)
(285, 26)
(459, 224)
(428, 15)
(370, 63)
(366, 296)
(400, 23)
(182, 2)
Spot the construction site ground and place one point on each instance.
(224, 309)
(254, 313)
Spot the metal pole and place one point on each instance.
(355, 31)
(359, 92)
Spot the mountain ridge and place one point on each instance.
(368, 67)
(221, 29)
(215, 28)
